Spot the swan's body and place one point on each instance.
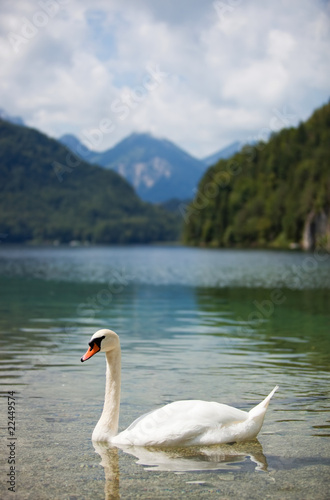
(182, 423)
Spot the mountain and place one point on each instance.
(274, 194)
(17, 120)
(46, 194)
(157, 168)
(77, 147)
(224, 153)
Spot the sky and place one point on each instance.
(200, 73)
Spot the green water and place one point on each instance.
(194, 324)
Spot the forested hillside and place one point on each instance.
(47, 194)
(268, 195)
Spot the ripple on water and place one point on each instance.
(168, 266)
(184, 318)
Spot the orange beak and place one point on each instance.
(90, 352)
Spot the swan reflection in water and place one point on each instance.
(218, 457)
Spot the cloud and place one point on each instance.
(230, 67)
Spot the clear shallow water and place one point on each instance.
(201, 324)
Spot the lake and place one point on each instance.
(218, 325)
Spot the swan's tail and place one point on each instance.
(261, 408)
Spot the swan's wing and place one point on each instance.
(136, 421)
(179, 423)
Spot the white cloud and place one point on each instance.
(226, 74)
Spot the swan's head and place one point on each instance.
(102, 340)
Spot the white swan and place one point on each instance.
(183, 423)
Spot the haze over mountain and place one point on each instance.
(223, 153)
(17, 120)
(77, 147)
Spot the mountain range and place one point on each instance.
(46, 195)
(277, 195)
(157, 168)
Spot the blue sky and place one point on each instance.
(201, 73)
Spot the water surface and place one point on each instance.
(194, 324)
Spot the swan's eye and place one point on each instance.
(96, 341)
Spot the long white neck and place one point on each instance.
(107, 426)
